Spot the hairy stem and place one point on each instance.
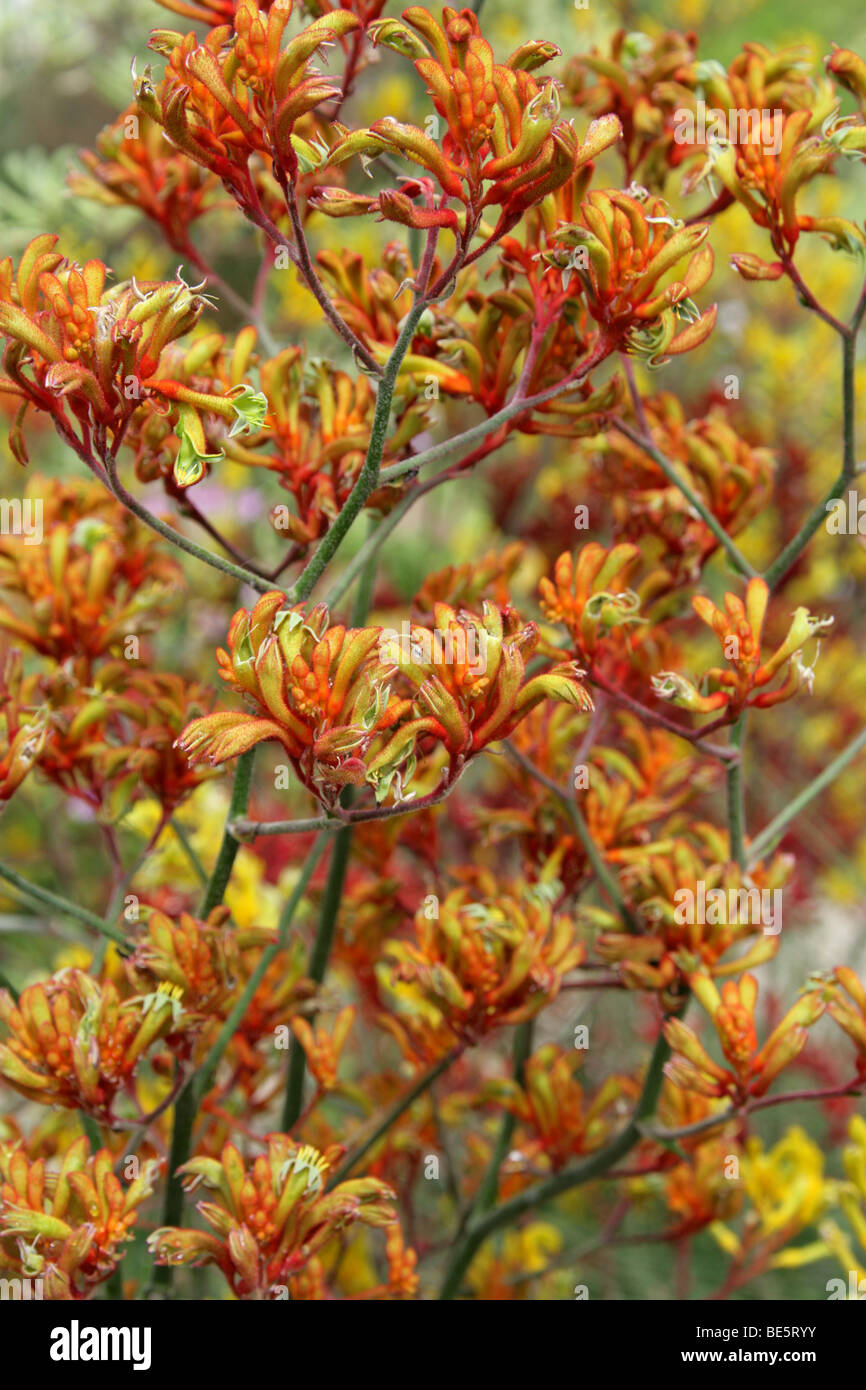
(593, 853)
(738, 560)
(736, 795)
(368, 478)
(176, 538)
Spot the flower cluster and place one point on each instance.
(484, 962)
(752, 1069)
(267, 1223)
(739, 629)
(332, 696)
(64, 1228)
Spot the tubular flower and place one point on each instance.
(326, 695)
(849, 71)
(99, 577)
(637, 79)
(320, 691)
(786, 1192)
(592, 597)
(767, 185)
(175, 434)
(23, 732)
(499, 1276)
(665, 886)
(65, 1227)
(315, 438)
(73, 1043)
(468, 677)
(504, 145)
(467, 585)
(476, 357)
(135, 166)
(108, 742)
(788, 133)
(732, 1015)
(852, 1199)
(698, 1192)
(322, 1049)
(552, 1104)
(198, 958)
(850, 1013)
(270, 1219)
(484, 964)
(622, 792)
(76, 349)
(623, 251)
(739, 629)
(239, 95)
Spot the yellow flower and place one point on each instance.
(785, 1185)
(250, 900)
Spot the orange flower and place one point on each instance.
(484, 964)
(269, 1220)
(739, 629)
(752, 1070)
(320, 691)
(99, 578)
(64, 1228)
(322, 1049)
(504, 145)
(552, 1104)
(622, 251)
(239, 95)
(73, 1043)
(850, 1015)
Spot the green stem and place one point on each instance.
(91, 1129)
(186, 1105)
(202, 1081)
(62, 905)
(198, 867)
(368, 478)
(316, 968)
(593, 853)
(396, 1110)
(771, 833)
(595, 1166)
(177, 538)
(486, 1195)
(736, 796)
(522, 405)
(738, 560)
(368, 551)
(818, 515)
(189, 1100)
(330, 906)
(228, 849)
